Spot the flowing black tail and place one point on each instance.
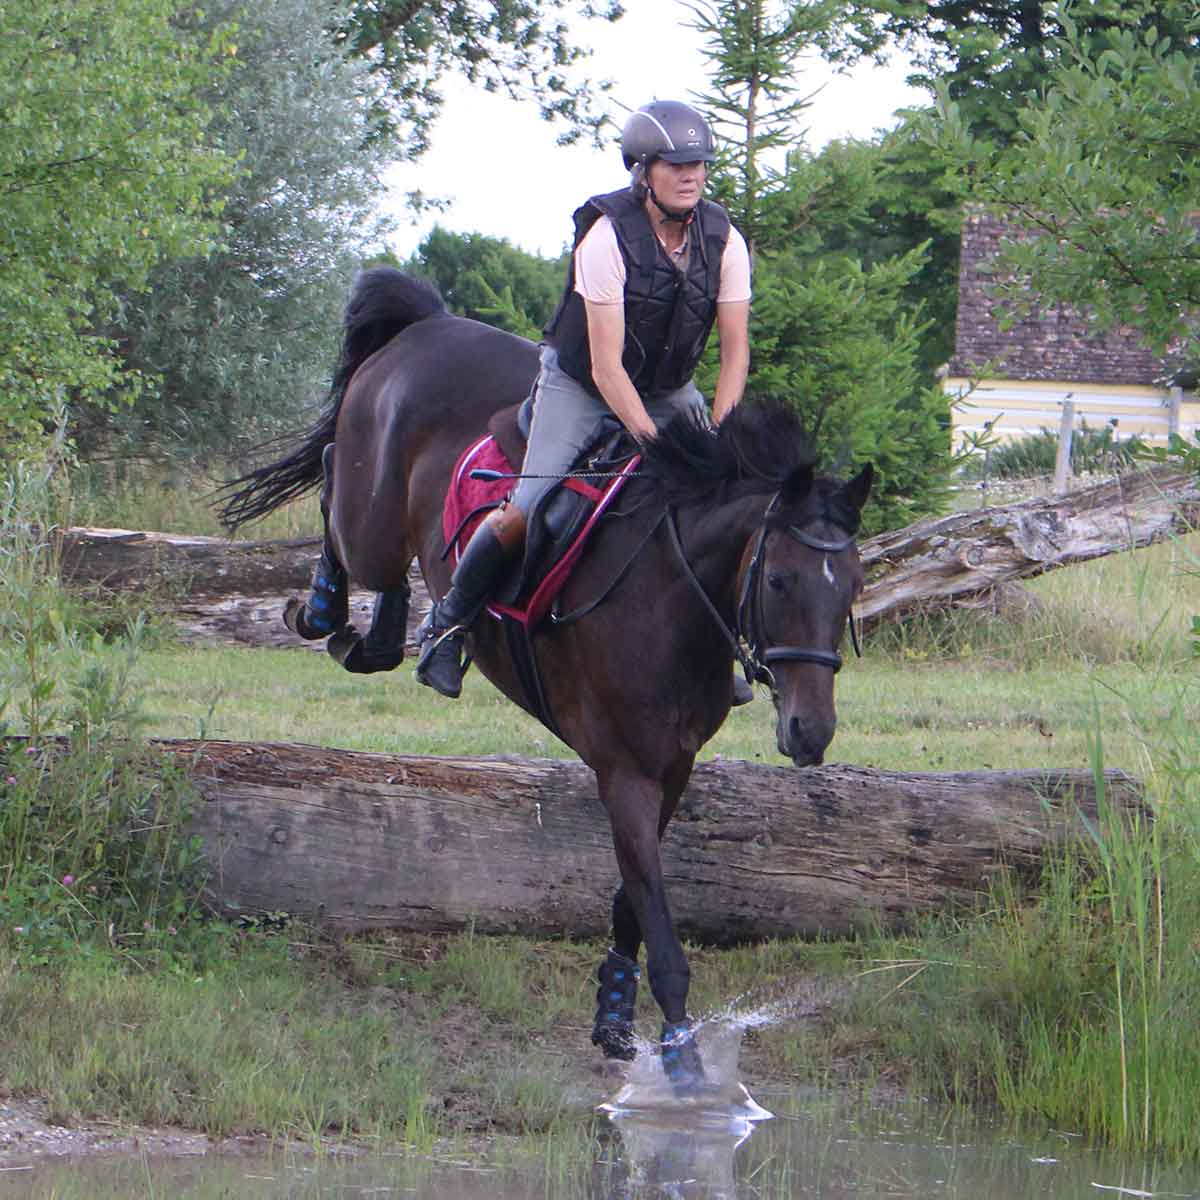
(383, 302)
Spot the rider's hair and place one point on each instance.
(638, 186)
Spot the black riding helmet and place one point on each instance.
(670, 130)
(666, 129)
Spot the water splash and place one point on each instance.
(645, 1089)
(682, 1146)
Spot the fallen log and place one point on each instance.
(355, 841)
(961, 557)
(215, 590)
(235, 591)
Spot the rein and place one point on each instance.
(747, 639)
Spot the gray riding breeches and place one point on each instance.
(567, 419)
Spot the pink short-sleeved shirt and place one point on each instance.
(600, 269)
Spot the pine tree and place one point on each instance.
(835, 339)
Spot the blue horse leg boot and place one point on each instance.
(681, 1056)
(616, 999)
(383, 647)
(327, 609)
(492, 548)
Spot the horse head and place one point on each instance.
(799, 581)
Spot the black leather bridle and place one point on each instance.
(748, 637)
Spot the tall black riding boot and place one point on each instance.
(441, 635)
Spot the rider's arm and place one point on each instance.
(733, 330)
(606, 340)
(733, 326)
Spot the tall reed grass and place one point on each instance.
(1073, 1001)
(92, 835)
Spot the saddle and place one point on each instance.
(559, 526)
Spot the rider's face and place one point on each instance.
(677, 185)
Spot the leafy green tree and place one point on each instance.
(993, 56)
(521, 47)
(489, 279)
(239, 338)
(1103, 176)
(106, 167)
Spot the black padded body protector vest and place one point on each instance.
(668, 313)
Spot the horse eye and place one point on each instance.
(776, 582)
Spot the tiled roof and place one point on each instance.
(1052, 343)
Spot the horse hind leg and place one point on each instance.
(326, 612)
(327, 609)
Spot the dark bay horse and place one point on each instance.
(745, 549)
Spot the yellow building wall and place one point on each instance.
(1017, 409)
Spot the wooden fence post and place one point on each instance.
(1062, 465)
(1174, 408)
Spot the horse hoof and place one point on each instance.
(681, 1060)
(343, 644)
(294, 618)
(355, 653)
(615, 1040)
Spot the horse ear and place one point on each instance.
(859, 488)
(798, 484)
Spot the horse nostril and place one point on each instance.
(809, 737)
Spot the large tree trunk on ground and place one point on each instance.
(359, 841)
(234, 591)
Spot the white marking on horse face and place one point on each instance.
(827, 571)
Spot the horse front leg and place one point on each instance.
(635, 807)
(618, 976)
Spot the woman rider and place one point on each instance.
(654, 267)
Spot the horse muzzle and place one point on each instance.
(804, 740)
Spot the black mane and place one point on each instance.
(755, 449)
(759, 449)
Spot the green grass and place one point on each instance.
(253, 1040)
(892, 715)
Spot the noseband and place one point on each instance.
(748, 638)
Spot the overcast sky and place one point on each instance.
(499, 164)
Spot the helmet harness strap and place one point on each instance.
(684, 218)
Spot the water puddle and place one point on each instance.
(647, 1144)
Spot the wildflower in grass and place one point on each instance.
(68, 880)
(18, 929)
(11, 781)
